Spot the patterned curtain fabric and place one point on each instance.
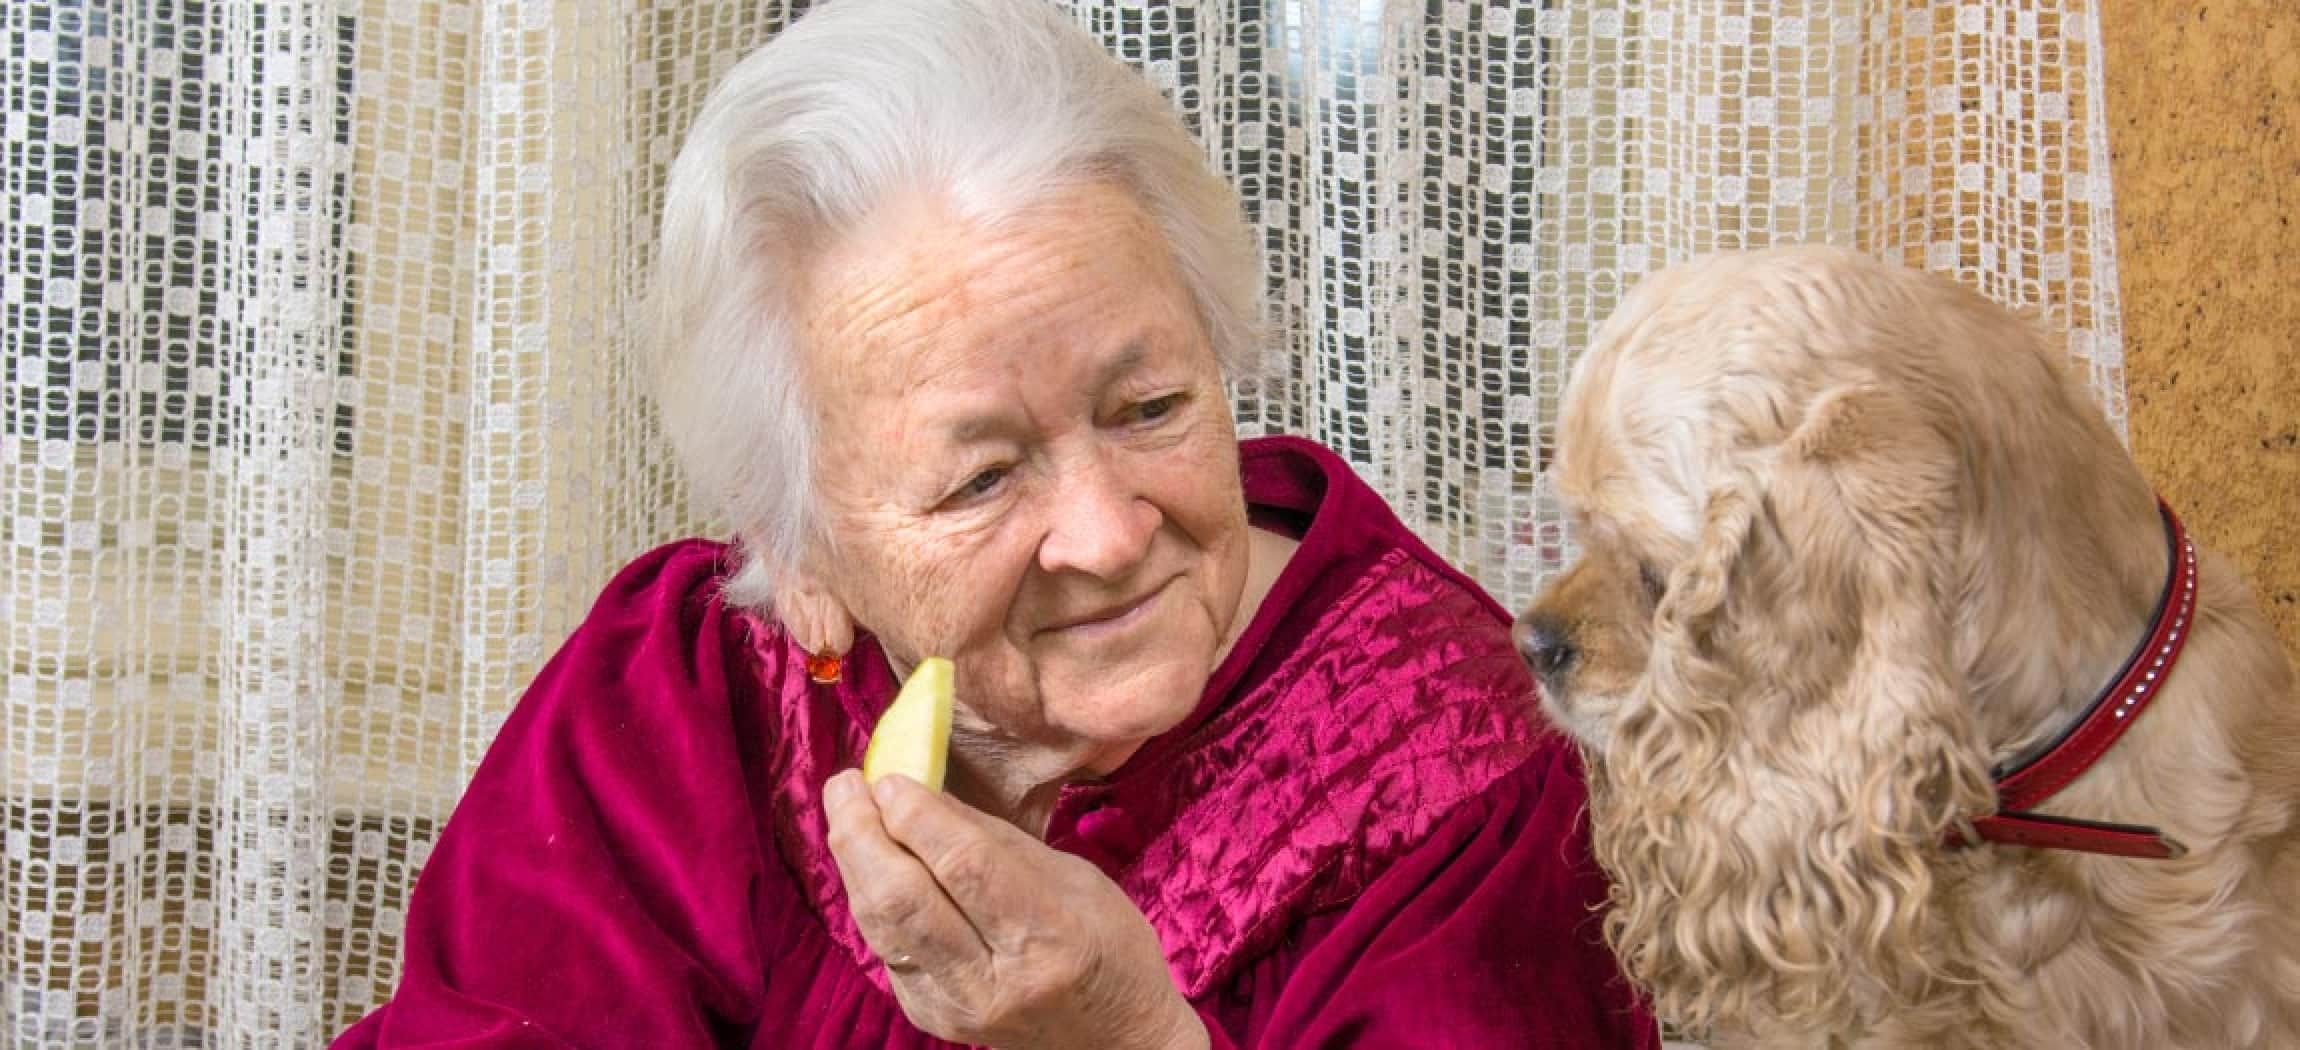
(319, 424)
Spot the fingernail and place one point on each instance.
(839, 791)
(884, 790)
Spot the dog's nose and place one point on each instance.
(1545, 644)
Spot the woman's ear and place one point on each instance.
(816, 618)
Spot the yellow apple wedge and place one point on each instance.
(913, 736)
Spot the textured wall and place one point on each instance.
(2204, 118)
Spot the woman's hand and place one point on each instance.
(994, 938)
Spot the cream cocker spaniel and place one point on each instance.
(1861, 567)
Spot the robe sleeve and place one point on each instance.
(1486, 934)
(595, 882)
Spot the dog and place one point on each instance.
(1860, 563)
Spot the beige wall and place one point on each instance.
(2204, 125)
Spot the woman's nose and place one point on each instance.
(1101, 523)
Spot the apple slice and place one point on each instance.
(913, 736)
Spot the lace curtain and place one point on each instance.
(318, 429)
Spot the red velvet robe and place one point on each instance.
(1364, 836)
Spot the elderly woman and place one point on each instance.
(947, 302)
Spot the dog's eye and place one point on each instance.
(1655, 583)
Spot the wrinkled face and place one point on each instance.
(1027, 464)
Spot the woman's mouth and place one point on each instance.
(1114, 618)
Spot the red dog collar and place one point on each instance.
(2111, 713)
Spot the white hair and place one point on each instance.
(989, 106)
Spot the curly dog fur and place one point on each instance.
(1851, 539)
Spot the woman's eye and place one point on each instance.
(982, 484)
(1156, 408)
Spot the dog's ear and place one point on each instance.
(1844, 522)
(1876, 473)
(1775, 804)
(1863, 504)
(1861, 519)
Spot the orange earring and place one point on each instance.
(824, 666)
